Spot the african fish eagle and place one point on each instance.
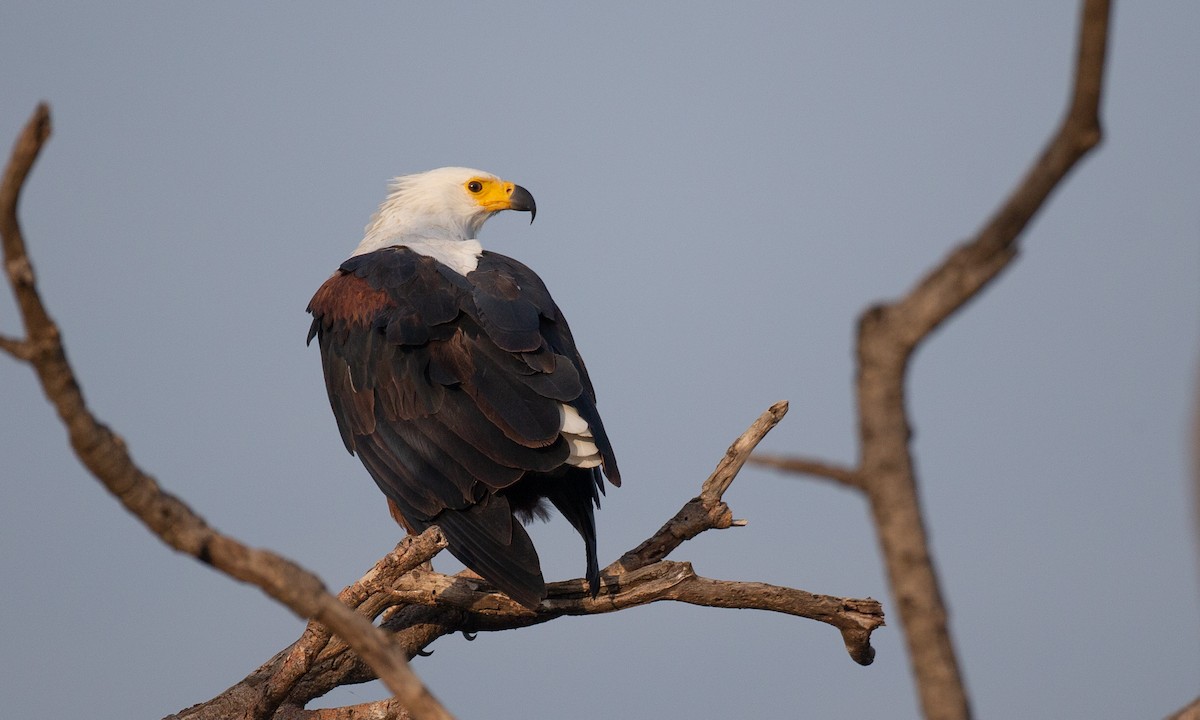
(454, 378)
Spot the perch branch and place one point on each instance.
(663, 580)
(379, 710)
(362, 596)
(105, 455)
(420, 606)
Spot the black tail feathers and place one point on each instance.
(575, 496)
(487, 539)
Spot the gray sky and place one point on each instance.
(720, 193)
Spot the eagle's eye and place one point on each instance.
(475, 186)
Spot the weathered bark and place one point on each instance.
(889, 334)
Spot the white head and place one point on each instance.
(445, 204)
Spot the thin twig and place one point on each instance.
(735, 457)
(708, 510)
(16, 263)
(805, 466)
(19, 349)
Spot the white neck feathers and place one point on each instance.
(461, 256)
(418, 216)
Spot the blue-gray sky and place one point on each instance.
(721, 191)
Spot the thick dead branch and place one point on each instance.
(420, 606)
(888, 334)
(887, 337)
(1191, 712)
(365, 596)
(663, 580)
(379, 710)
(106, 457)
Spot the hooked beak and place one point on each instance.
(520, 199)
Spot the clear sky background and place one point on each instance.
(721, 191)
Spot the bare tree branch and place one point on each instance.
(659, 581)
(420, 605)
(365, 597)
(805, 466)
(106, 457)
(379, 710)
(1190, 712)
(706, 511)
(16, 263)
(888, 334)
(17, 348)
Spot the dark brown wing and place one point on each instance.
(448, 388)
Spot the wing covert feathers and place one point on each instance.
(451, 390)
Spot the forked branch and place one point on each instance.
(888, 334)
(420, 606)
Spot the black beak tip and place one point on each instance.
(522, 200)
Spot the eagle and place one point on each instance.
(454, 378)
